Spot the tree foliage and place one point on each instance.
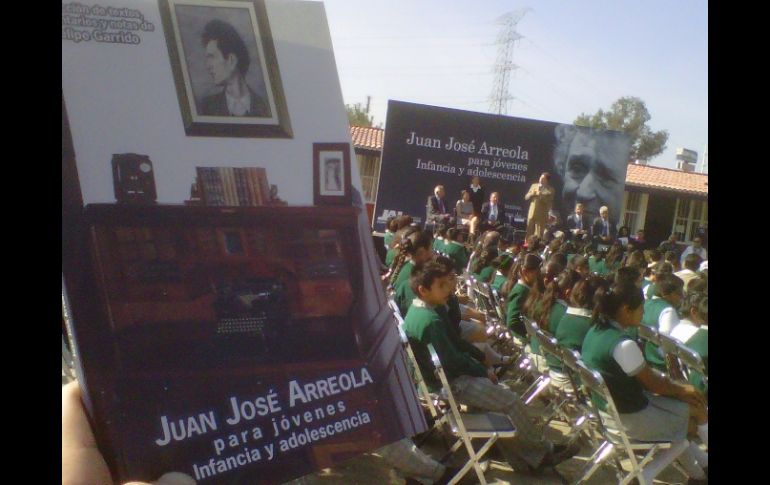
(629, 115)
(357, 116)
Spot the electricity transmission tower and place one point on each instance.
(498, 100)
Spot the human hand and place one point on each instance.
(81, 460)
(691, 395)
(492, 376)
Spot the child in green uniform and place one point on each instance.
(693, 332)
(438, 238)
(612, 260)
(659, 270)
(574, 325)
(472, 383)
(456, 250)
(524, 276)
(580, 264)
(548, 310)
(400, 224)
(660, 312)
(390, 231)
(651, 407)
(482, 268)
(415, 247)
(503, 263)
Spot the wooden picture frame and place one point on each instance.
(331, 174)
(217, 47)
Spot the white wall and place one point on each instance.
(122, 98)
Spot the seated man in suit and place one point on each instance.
(603, 231)
(437, 208)
(577, 224)
(492, 213)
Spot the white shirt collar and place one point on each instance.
(475, 188)
(455, 242)
(421, 304)
(582, 312)
(617, 325)
(239, 106)
(521, 282)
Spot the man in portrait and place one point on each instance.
(227, 61)
(592, 165)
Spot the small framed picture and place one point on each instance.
(331, 174)
(227, 77)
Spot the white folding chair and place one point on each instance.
(690, 361)
(614, 433)
(468, 426)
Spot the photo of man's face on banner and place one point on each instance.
(591, 166)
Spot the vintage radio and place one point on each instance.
(134, 179)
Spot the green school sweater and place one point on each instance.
(557, 312)
(515, 303)
(452, 315)
(571, 332)
(486, 273)
(439, 245)
(626, 390)
(699, 342)
(498, 282)
(404, 294)
(423, 326)
(458, 254)
(652, 311)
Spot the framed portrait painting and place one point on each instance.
(331, 174)
(226, 73)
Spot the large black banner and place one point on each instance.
(426, 146)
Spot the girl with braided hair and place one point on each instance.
(414, 247)
(482, 268)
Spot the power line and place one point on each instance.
(498, 102)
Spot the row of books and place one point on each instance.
(233, 186)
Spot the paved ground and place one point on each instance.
(370, 469)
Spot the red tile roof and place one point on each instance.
(644, 176)
(667, 179)
(367, 138)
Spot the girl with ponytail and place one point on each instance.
(652, 407)
(414, 248)
(524, 276)
(549, 308)
(482, 268)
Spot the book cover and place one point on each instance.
(203, 341)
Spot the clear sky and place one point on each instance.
(575, 57)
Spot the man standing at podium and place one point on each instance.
(540, 197)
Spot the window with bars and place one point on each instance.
(634, 211)
(690, 215)
(369, 168)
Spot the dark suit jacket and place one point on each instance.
(572, 223)
(434, 209)
(598, 227)
(501, 217)
(216, 105)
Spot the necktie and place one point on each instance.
(580, 223)
(441, 206)
(606, 229)
(493, 214)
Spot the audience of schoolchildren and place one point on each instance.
(591, 299)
